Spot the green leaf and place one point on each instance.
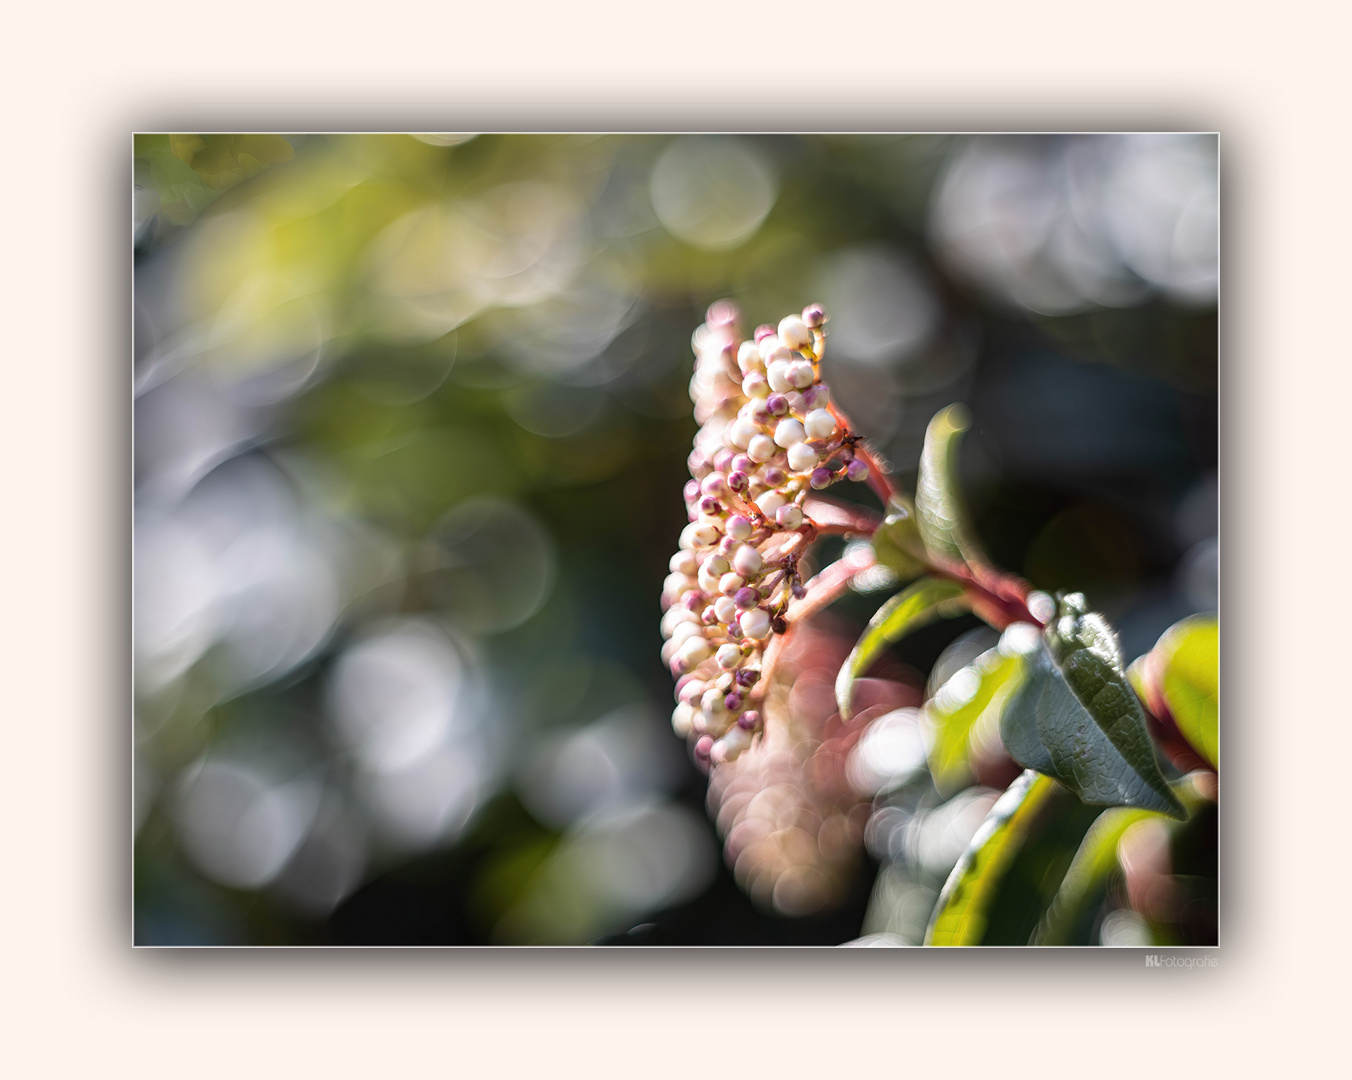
(1076, 719)
(940, 516)
(1085, 883)
(971, 700)
(910, 609)
(964, 905)
(1086, 880)
(896, 542)
(1190, 662)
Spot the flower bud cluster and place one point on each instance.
(768, 436)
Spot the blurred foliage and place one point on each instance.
(411, 431)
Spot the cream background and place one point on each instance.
(76, 1000)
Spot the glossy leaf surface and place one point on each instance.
(1075, 718)
(913, 607)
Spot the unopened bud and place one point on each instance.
(802, 457)
(746, 598)
(756, 624)
(793, 332)
(819, 424)
(817, 396)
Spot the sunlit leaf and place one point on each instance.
(910, 609)
(896, 542)
(961, 915)
(940, 516)
(1076, 719)
(1083, 887)
(1190, 671)
(974, 695)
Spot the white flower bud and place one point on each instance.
(794, 332)
(755, 385)
(729, 583)
(692, 691)
(781, 353)
(761, 448)
(712, 701)
(728, 657)
(669, 650)
(681, 720)
(747, 561)
(725, 609)
(714, 723)
(698, 534)
(788, 517)
(777, 375)
(802, 457)
(677, 585)
(749, 358)
(819, 424)
(684, 562)
(674, 616)
(789, 433)
(800, 374)
(756, 624)
(797, 403)
(693, 652)
(731, 746)
(741, 431)
(686, 630)
(738, 528)
(767, 345)
(770, 502)
(713, 569)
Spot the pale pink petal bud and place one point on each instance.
(741, 431)
(749, 358)
(681, 719)
(800, 374)
(789, 433)
(747, 561)
(802, 457)
(818, 396)
(729, 583)
(756, 624)
(770, 502)
(793, 332)
(777, 375)
(761, 448)
(697, 535)
(788, 517)
(728, 657)
(738, 528)
(819, 424)
(694, 651)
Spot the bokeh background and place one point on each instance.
(410, 433)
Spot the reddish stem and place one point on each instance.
(821, 591)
